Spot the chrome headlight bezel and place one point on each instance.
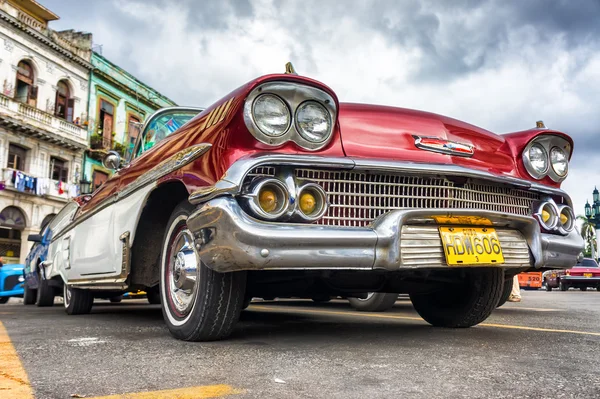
(547, 142)
(259, 123)
(294, 95)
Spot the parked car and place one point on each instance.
(280, 190)
(584, 275)
(11, 282)
(37, 289)
(530, 280)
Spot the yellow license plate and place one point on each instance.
(587, 274)
(466, 246)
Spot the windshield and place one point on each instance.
(162, 126)
(588, 263)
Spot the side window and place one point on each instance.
(161, 126)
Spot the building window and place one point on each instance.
(16, 157)
(98, 178)
(59, 170)
(105, 123)
(64, 104)
(133, 131)
(25, 91)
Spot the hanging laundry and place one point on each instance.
(61, 187)
(20, 181)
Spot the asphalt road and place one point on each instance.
(546, 346)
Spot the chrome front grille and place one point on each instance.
(357, 198)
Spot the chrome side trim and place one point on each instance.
(169, 165)
(231, 182)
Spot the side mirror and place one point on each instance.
(112, 160)
(34, 237)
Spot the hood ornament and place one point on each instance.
(290, 70)
(443, 146)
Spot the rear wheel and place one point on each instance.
(77, 301)
(583, 288)
(374, 302)
(116, 299)
(506, 290)
(462, 305)
(29, 295)
(548, 288)
(562, 286)
(45, 293)
(198, 303)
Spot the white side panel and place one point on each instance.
(95, 248)
(92, 246)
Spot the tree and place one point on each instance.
(588, 232)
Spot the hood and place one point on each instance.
(372, 131)
(10, 268)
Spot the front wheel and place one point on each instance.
(583, 288)
(548, 288)
(77, 301)
(506, 290)
(465, 304)
(374, 302)
(198, 303)
(4, 299)
(45, 292)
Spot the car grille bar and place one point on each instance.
(357, 198)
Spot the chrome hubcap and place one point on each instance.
(183, 273)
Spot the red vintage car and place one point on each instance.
(280, 190)
(584, 275)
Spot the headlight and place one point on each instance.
(567, 219)
(313, 121)
(20, 279)
(548, 215)
(538, 160)
(271, 115)
(559, 161)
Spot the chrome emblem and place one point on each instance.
(443, 146)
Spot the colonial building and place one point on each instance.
(45, 78)
(118, 106)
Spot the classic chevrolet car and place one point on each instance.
(280, 190)
(584, 275)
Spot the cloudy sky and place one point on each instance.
(498, 64)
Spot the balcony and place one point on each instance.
(42, 120)
(50, 188)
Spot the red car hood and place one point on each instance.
(371, 131)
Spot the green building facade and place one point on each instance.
(118, 105)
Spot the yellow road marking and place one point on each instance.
(13, 378)
(532, 309)
(390, 316)
(202, 392)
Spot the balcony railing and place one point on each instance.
(50, 187)
(42, 119)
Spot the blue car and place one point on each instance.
(37, 289)
(11, 282)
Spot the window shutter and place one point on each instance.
(33, 95)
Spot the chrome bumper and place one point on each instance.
(228, 239)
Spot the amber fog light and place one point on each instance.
(268, 199)
(566, 219)
(312, 201)
(547, 215)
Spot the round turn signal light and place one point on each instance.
(308, 203)
(267, 200)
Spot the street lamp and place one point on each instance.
(85, 187)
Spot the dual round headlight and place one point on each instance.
(273, 118)
(551, 216)
(541, 163)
